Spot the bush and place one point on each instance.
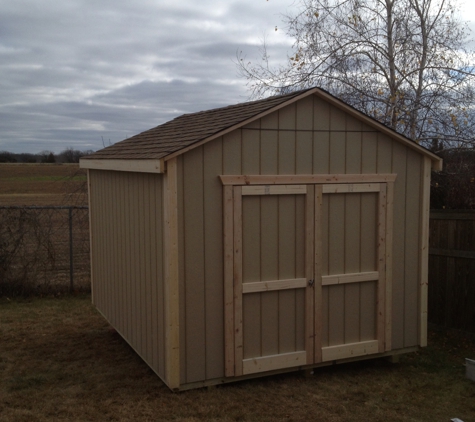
(27, 254)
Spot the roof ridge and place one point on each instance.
(246, 103)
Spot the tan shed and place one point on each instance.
(269, 236)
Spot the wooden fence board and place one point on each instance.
(452, 269)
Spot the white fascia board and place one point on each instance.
(141, 166)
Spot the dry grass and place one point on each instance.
(59, 360)
(42, 184)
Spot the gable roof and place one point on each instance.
(189, 130)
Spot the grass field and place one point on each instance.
(61, 361)
(42, 184)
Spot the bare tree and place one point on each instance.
(7, 157)
(454, 187)
(402, 62)
(71, 155)
(47, 157)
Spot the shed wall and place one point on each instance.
(127, 253)
(309, 136)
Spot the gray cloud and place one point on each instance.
(77, 72)
(74, 73)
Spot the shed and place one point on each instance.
(269, 236)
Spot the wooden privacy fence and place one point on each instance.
(452, 269)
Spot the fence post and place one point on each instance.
(71, 280)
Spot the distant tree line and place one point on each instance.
(69, 155)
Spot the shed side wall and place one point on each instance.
(307, 137)
(127, 251)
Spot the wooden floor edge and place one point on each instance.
(228, 380)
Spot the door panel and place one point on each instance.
(350, 315)
(252, 325)
(350, 221)
(251, 265)
(368, 309)
(273, 323)
(272, 293)
(352, 270)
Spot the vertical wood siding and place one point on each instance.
(309, 136)
(126, 215)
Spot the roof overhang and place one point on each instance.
(141, 166)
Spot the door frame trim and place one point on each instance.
(315, 185)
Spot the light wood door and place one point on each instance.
(307, 273)
(350, 270)
(272, 278)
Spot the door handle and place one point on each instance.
(311, 282)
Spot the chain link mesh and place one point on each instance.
(44, 250)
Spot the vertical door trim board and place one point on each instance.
(309, 273)
(228, 221)
(381, 309)
(389, 262)
(171, 293)
(318, 294)
(237, 241)
(424, 252)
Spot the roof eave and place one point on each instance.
(137, 165)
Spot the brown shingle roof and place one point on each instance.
(188, 129)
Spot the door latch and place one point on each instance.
(311, 282)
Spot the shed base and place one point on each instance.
(306, 368)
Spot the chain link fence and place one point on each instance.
(44, 250)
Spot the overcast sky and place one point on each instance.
(80, 73)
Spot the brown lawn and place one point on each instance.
(61, 361)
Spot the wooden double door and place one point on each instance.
(306, 271)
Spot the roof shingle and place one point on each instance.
(187, 129)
